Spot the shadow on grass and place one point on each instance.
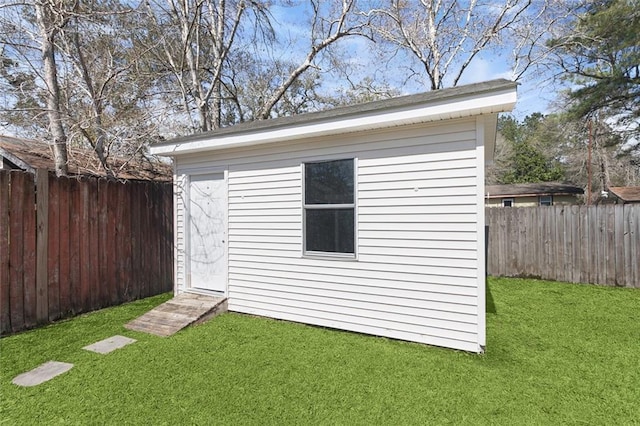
(491, 306)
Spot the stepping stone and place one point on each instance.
(109, 344)
(41, 374)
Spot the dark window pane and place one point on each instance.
(330, 230)
(329, 182)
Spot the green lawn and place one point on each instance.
(557, 353)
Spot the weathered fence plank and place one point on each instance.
(103, 232)
(94, 246)
(54, 249)
(64, 247)
(42, 246)
(29, 255)
(18, 184)
(71, 245)
(5, 287)
(75, 212)
(84, 247)
(111, 280)
(590, 244)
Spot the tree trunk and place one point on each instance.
(47, 36)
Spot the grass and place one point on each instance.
(557, 353)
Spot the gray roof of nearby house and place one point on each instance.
(628, 194)
(30, 155)
(433, 97)
(532, 190)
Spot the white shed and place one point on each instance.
(368, 218)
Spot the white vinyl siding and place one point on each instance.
(416, 272)
(179, 232)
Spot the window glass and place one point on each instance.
(329, 207)
(329, 182)
(507, 202)
(330, 230)
(546, 200)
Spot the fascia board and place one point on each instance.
(472, 105)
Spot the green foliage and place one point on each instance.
(556, 354)
(530, 165)
(601, 55)
(526, 160)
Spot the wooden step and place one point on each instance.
(180, 312)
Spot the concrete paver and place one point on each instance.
(42, 373)
(109, 344)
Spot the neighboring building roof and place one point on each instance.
(532, 190)
(628, 194)
(29, 155)
(463, 101)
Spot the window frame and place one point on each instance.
(549, 197)
(305, 207)
(511, 200)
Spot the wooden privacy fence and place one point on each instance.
(72, 245)
(580, 244)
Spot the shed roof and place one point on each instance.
(29, 155)
(463, 101)
(532, 189)
(628, 194)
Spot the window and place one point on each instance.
(546, 200)
(507, 202)
(329, 207)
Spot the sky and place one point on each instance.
(535, 92)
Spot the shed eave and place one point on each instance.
(502, 100)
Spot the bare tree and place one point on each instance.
(197, 38)
(445, 36)
(215, 50)
(89, 80)
(103, 65)
(325, 31)
(51, 17)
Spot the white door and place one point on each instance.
(207, 232)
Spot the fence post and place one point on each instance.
(42, 245)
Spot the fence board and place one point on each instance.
(64, 254)
(71, 245)
(590, 244)
(600, 247)
(152, 218)
(84, 241)
(5, 287)
(103, 233)
(635, 249)
(42, 246)
(29, 255)
(93, 277)
(611, 245)
(53, 249)
(585, 249)
(619, 247)
(75, 212)
(16, 296)
(111, 251)
(145, 241)
(135, 239)
(124, 244)
(573, 217)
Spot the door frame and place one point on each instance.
(187, 228)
